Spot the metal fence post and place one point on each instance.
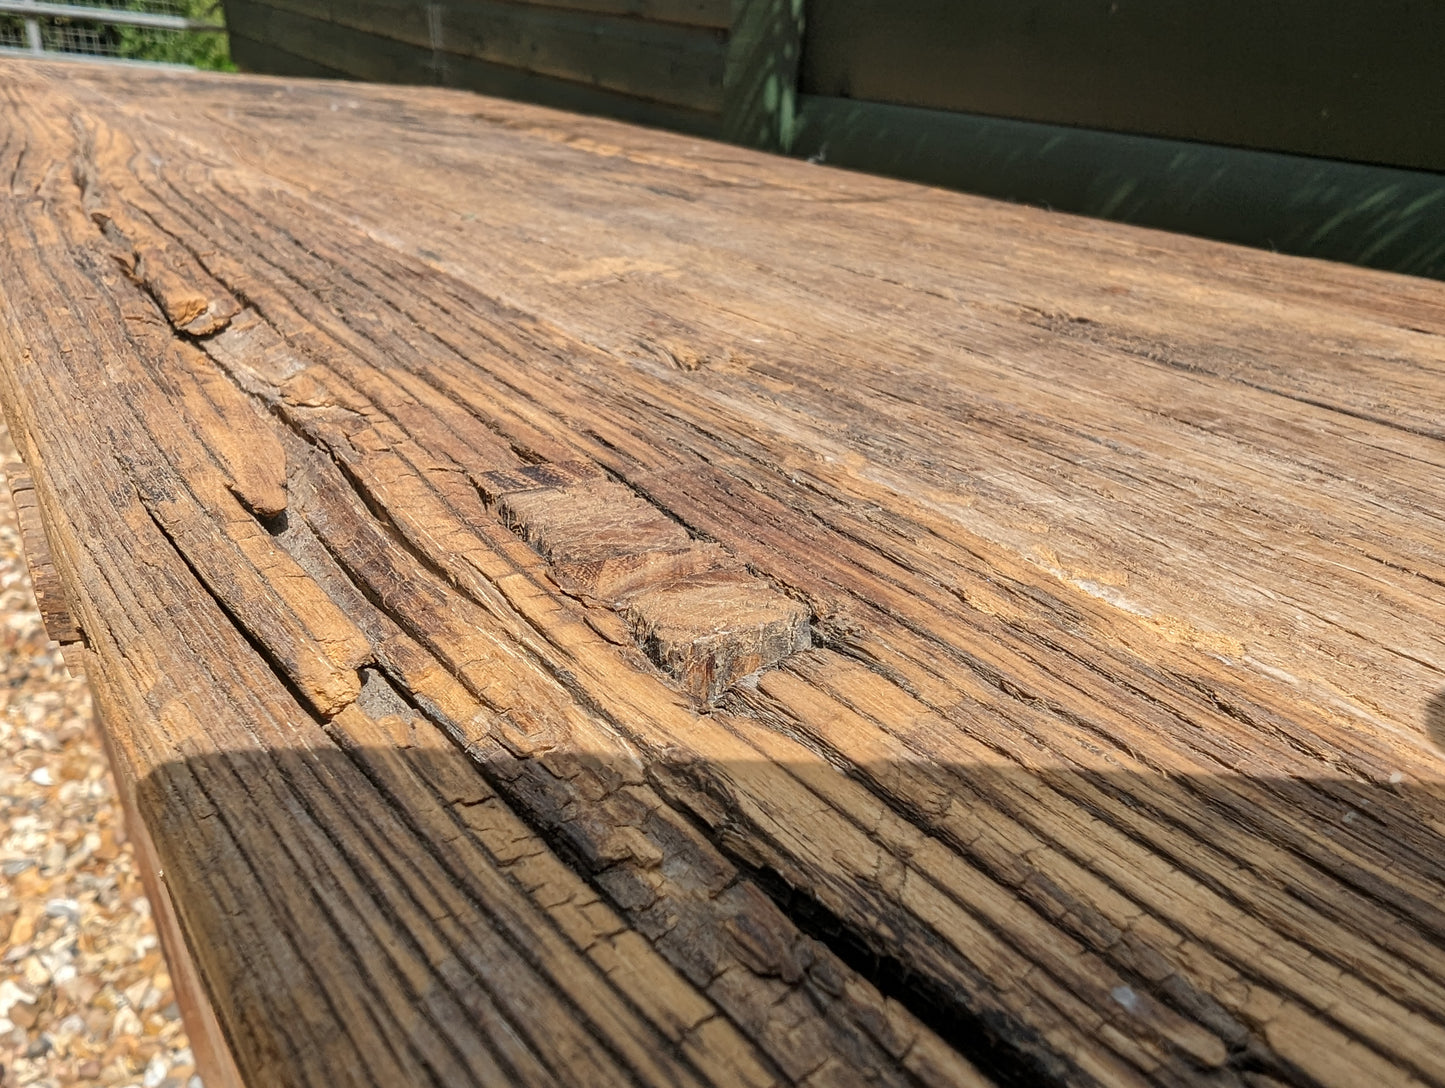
(32, 33)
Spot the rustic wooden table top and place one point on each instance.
(577, 604)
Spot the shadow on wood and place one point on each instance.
(1435, 720)
(612, 609)
(461, 906)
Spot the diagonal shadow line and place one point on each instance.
(220, 853)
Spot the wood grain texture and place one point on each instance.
(49, 590)
(593, 606)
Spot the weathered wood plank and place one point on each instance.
(1336, 82)
(252, 55)
(49, 590)
(639, 611)
(280, 36)
(214, 1062)
(714, 14)
(661, 62)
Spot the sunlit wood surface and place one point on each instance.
(574, 604)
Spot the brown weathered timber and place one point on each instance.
(578, 605)
(49, 592)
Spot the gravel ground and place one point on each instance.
(84, 994)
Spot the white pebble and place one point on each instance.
(68, 909)
(53, 859)
(35, 972)
(155, 1072)
(12, 995)
(126, 1022)
(41, 776)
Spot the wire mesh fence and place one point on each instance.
(174, 31)
(12, 33)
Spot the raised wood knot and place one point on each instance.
(715, 629)
(689, 604)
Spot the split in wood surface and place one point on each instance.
(575, 604)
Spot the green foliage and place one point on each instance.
(202, 50)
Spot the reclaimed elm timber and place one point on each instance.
(575, 604)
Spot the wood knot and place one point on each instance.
(688, 603)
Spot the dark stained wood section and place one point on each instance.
(1332, 78)
(581, 605)
(653, 61)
